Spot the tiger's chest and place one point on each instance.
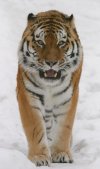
(56, 99)
(56, 105)
(53, 101)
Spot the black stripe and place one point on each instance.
(33, 37)
(41, 97)
(40, 24)
(48, 128)
(34, 132)
(72, 55)
(47, 116)
(72, 45)
(32, 81)
(48, 111)
(63, 103)
(77, 47)
(36, 108)
(63, 91)
(40, 138)
(75, 61)
(25, 59)
(63, 78)
(28, 46)
(49, 138)
(57, 115)
(51, 26)
(46, 120)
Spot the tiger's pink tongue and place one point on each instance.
(51, 73)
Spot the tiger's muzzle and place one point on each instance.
(50, 74)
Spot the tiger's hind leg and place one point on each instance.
(61, 147)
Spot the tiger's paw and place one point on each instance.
(62, 157)
(41, 160)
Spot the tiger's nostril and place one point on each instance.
(51, 63)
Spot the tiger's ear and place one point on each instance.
(70, 19)
(31, 17)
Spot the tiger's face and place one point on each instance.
(50, 46)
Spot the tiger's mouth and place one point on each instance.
(50, 74)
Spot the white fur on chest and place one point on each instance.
(48, 99)
(54, 96)
(54, 103)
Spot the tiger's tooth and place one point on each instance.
(55, 75)
(45, 74)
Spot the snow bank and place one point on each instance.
(14, 159)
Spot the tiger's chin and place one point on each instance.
(50, 74)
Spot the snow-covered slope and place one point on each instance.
(86, 133)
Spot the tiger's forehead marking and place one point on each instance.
(61, 35)
(40, 33)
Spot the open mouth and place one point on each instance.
(50, 74)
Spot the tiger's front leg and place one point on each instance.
(61, 147)
(33, 125)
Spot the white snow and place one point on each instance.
(86, 133)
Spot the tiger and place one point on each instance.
(50, 59)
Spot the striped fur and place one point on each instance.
(49, 70)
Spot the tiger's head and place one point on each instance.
(50, 45)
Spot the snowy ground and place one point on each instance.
(86, 133)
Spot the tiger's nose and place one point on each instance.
(51, 63)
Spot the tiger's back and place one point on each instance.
(50, 63)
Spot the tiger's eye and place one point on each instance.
(40, 42)
(37, 36)
(61, 43)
